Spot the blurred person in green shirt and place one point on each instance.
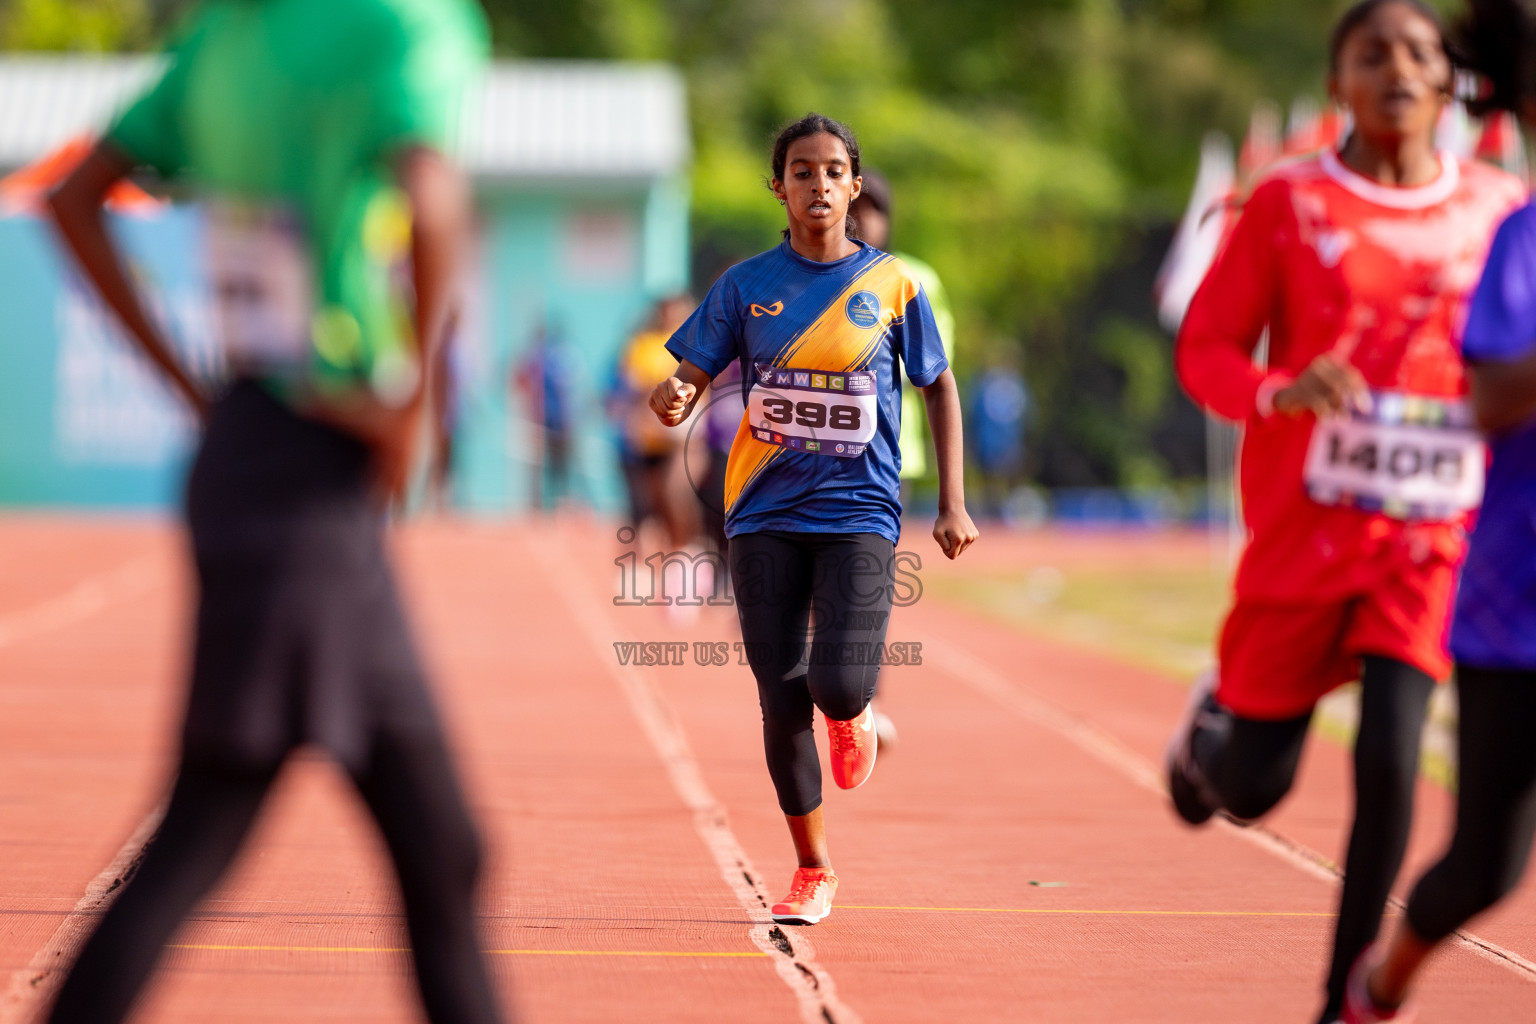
(871, 212)
(314, 133)
(871, 216)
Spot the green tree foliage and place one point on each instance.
(1014, 213)
(1030, 143)
(81, 25)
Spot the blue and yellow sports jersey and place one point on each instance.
(820, 346)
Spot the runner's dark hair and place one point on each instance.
(1497, 39)
(1361, 12)
(815, 124)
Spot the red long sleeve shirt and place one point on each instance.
(1328, 260)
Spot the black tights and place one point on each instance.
(1495, 803)
(410, 787)
(778, 577)
(1251, 765)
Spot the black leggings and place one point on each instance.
(410, 787)
(849, 578)
(1495, 803)
(1251, 765)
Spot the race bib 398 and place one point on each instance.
(814, 411)
(1410, 457)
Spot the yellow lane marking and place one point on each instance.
(1097, 913)
(613, 952)
(490, 952)
(289, 949)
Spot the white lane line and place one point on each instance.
(32, 989)
(80, 602)
(1106, 748)
(791, 952)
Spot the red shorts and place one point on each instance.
(1279, 659)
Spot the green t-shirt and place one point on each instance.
(914, 418)
(286, 114)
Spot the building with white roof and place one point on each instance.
(580, 171)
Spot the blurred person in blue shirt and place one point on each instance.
(999, 405)
(545, 377)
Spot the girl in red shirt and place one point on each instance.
(1359, 460)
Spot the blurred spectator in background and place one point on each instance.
(724, 411)
(651, 454)
(544, 378)
(999, 404)
(447, 383)
(871, 214)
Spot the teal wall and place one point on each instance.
(589, 263)
(84, 420)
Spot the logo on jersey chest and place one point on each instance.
(773, 310)
(1331, 247)
(863, 309)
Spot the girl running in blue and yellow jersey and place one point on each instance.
(821, 326)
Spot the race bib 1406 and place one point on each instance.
(1410, 457)
(815, 411)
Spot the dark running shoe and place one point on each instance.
(1193, 798)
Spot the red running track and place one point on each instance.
(1013, 861)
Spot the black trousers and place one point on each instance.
(1252, 764)
(1495, 803)
(300, 640)
(779, 578)
(410, 788)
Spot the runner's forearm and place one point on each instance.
(942, 399)
(691, 374)
(76, 207)
(440, 217)
(1504, 394)
(440, 221)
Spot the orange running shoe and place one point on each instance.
(809, 899)
(854, 746)
(1359, 1007)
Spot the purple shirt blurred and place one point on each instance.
(726, 408)
(1495, 623)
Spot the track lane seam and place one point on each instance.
(31, 989)
(1111, 751)
(679, 954)
(81, 601)
(1089, 912)
(794, 960)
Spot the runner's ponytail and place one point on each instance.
(1497, 40)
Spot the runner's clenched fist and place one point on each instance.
(673, 400)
